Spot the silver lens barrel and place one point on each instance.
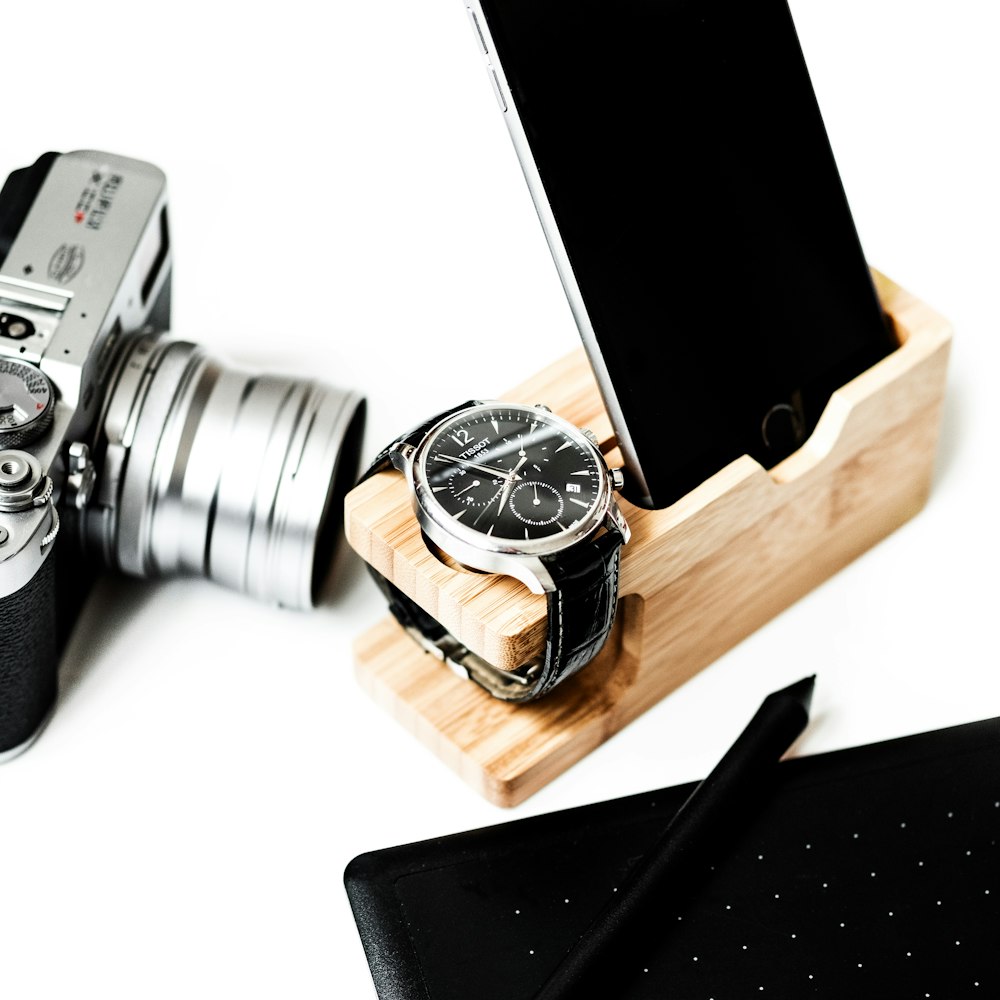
(231, 475)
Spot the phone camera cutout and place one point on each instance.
(782, 428)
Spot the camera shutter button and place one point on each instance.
(14, 469)
(23, 485)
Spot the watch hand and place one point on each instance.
(486, 508)
(471, 486)
(509, 485)
(536, 501)
(502, 473)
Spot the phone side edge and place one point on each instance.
(563, 265)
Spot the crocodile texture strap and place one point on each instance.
(581, 608)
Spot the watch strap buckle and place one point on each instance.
(471, 666)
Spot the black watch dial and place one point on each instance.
(513, 472)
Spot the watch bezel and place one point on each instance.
(476, 549)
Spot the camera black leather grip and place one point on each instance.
(29, 656)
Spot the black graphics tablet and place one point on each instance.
(873, 872)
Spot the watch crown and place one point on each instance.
(617, 479)
(542, 406)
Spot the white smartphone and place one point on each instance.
(680, 167)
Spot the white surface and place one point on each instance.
(345, 201)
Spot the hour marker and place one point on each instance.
(526, 535)
(460, 513)
(490, 532)
(584, 472)
(565, 444)
(438, 489)
(496, 427)
(585, 506)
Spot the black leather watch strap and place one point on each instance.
(581, 611)
(381, 461)
(581, 607)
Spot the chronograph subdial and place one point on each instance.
(536, 503)
(471, 488)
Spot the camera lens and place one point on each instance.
(235, 476)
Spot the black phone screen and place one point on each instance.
(686, 164)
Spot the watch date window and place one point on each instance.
(573, 488)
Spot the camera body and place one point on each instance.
(121, 446)
(84, 262)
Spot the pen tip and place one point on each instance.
(801, 691)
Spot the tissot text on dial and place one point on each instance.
(472, 465)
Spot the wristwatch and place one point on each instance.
(513, 489)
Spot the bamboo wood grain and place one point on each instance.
(696, 578)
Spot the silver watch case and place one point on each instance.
(472, 550)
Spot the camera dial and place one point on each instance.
(25, 403)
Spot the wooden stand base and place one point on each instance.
(696, 578)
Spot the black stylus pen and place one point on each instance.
(717, 799)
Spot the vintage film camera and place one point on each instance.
(121, 446)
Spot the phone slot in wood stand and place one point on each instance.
(696, 578)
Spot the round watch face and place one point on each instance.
(513, 473)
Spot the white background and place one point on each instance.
(346, 202)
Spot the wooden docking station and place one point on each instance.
(696, 578)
